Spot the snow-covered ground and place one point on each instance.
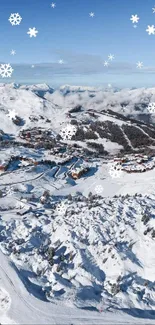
(71, 251)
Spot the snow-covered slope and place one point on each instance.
(75, 248)
(99, 128)
(129, 102)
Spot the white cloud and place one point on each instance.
(104, 100)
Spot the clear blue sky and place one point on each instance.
(67, 32)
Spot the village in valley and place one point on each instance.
(60, 153)
(69, 221)
(136, 163)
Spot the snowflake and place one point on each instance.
(53, 5)
(91, 14)
(135, 26)
(61, 62)
(12, 114)
(32, 32)
(151, 107)
(13, 52)
(106, 63)
(139, 64)
(32, 66)
(98, 189)
(15, 19)
(111, 57)
(6, 70)
(115, 170)
(153, 10)
(68, 132)
(134, 19)
(109, 85)
(61, 208)
(150, 29)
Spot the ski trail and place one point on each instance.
(127, 139)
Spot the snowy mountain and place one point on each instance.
(99, 129)
(77, 206)
(129, 102)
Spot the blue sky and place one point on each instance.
(68, 33)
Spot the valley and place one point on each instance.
(77, 208)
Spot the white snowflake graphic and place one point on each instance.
(111, 57)
(139, 65)
(106, 63)
(98, 189)
(153, 9)
(134, 19)
(6, 70)
(115, 170)
(32, 32)
(151, 107)
(61, 208)
(134, 26)
(12, 114)
(13, 52)
(68, 132)
(15, 19)
(150, 30)
(61, 61)
(53, 5)
(91, 14)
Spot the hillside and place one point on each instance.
(98, 129)
(77, 208)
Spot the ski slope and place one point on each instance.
(70, 255)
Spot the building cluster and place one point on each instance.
(137, 163)
(17, 120)
(36, 134)
(79, 172)
(45, 197)
(38, 137)
(5, 164)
